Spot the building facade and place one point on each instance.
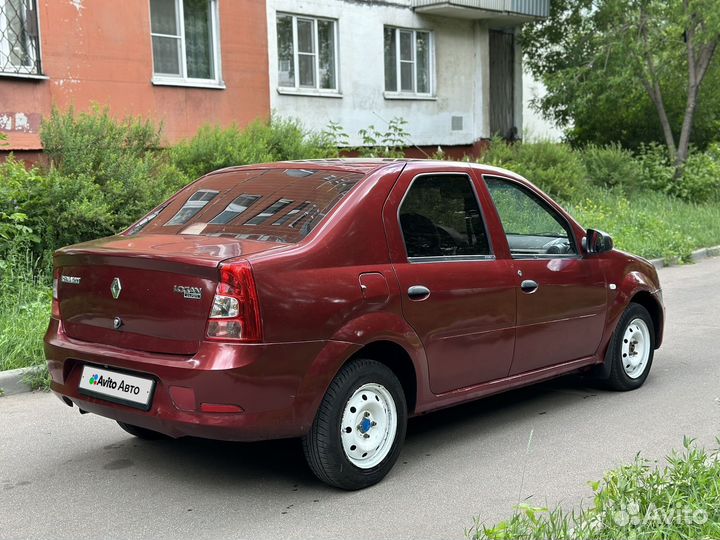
(184, 63)
(535, 126)
(451, 69)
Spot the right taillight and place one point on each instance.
(235, 311)
(55, 310)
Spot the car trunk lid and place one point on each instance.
(149, 292)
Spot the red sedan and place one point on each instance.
(331, 300)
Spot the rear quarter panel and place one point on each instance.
(311, 291)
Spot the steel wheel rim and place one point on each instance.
(635, 349)
(368, 426)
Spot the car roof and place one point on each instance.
(368, 165)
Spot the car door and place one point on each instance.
(561, 296)
(456, 295)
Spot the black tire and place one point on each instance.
(619, 379)
(142, 433)
(323, 446)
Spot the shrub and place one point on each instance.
(104, 174)
(15, 182)
(553, 167)
(612, 166)
(387, 144)
(96, 144)
(498, 153)
(700, 181)
(275, 140)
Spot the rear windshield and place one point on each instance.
(275, 205)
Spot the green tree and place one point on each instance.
(630, 71)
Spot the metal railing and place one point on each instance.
(19, 38)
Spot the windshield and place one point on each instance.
(275, 205)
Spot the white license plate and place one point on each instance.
(118, 387)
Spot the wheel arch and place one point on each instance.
(398, 360)
(649, 302)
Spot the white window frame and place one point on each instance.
(414, 94)
(315, 90)
(165, 79)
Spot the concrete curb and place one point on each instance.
(11, 381)
(696, 256)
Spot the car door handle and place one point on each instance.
(418, 292)
(529, 286)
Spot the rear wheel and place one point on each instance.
(142, 433)
(359, 428)
(631, 349)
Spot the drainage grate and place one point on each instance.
(19, 37)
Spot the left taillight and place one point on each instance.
(55, 294)
(235, 311)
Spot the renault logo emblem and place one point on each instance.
(116, 288)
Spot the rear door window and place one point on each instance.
(281, 205)
(440, 217)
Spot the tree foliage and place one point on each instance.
(630, 71)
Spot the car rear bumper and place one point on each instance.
(269, 382)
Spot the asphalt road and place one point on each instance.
(63, 475)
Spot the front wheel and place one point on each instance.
(631, 349)
(359, 428)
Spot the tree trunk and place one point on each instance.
(653, 89)
(684, 143)
(651, 83)
(698, 65)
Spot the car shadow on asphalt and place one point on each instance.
(281, 462)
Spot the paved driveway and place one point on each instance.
(63, 475)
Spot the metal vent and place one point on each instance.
(19, 37)
(456, 123)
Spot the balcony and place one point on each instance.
(501, 11)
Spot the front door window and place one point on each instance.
(534, 230)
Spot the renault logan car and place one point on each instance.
(331, 300)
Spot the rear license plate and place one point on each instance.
(117, 387)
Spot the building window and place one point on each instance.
(307, 53)
(408, 61)
(185, 41)
(19, 43)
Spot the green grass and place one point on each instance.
(639, 501)
(649, 224)
(25, 298)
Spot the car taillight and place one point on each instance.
(235, 312)
(55, 298)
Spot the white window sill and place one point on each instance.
(409, 97)
(170, 81)
(24, 76)
(309, 92)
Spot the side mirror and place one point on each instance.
(597, 241)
